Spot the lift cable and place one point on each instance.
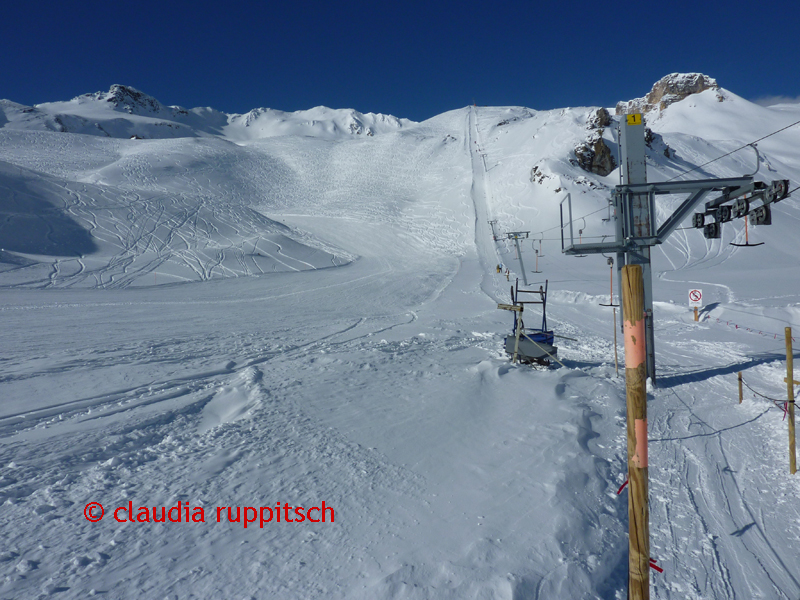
(732, 151)
(576, 218)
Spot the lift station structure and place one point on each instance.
(635, 208)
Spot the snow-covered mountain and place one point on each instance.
(290, 308)
(124, 112)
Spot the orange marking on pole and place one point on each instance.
(634, 344)
(640, 458)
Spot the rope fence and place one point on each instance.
(775, 401)
(782, 405)
(751, 329)
(787, 406)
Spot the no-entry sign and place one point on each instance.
(695, 298)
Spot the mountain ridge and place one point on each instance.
(125, 112)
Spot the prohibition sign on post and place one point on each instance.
(695, 298)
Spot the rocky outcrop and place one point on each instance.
(595, 156)
(598, 119)
(668, 90)
(538, 175)
(656, 143)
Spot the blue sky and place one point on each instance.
(411, 59)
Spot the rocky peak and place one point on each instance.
(128, 99)
(668, 90)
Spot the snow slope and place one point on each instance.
(296, 313)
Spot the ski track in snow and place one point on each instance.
(335, 337)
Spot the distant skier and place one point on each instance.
(499, 269)
(508, 274)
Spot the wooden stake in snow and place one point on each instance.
(636, 395)
(790, 392)
(741, 393)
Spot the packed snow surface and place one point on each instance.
(241, 317)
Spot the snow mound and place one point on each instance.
(34, 221)
(233, 401)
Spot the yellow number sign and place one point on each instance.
(634, 119)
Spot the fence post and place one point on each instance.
(790, 396)
(636, 400)
(741, 395)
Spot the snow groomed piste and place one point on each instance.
(241, 311)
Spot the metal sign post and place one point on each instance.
(695, 301)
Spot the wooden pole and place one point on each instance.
(616, 360)
(636, 396)
(790, 394)
(611, 284)
(516, 341)
(741, 394)
(695, 314)
(517, 308)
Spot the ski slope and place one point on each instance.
(303, 313)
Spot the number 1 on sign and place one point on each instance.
(635, 119)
